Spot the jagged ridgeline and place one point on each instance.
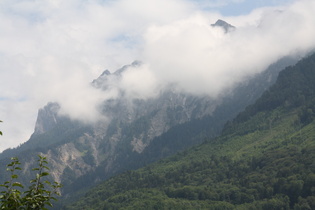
(265, 159)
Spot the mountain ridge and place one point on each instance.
(262, 161)
(79, 152)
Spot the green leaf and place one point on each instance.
(14, 176)
(47, 182)
(46, 167)
(17, 184)
(49, 204)
(44, 174)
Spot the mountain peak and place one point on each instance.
(135, 63)
(105, 73)
(226, 26)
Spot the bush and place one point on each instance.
(40, 193)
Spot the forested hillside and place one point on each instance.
(265, 159)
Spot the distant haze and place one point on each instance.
(52, 50)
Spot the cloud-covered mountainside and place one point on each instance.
(50, 50)
(132, 131)
(263, 160)
(194, 74)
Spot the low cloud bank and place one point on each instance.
(51, 50)
(205, 60)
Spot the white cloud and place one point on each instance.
(218, 3)
(139, 82)
(51, 50)
(204, 60)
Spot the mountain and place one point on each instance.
(263, 160)
(137, 133)
(226, 26)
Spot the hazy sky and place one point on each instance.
(51, 50)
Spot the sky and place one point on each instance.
(51, 50)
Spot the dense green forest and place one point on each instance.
(265, 159)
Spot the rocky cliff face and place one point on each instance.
(130, 127)
(47, 118)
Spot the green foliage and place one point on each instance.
(260, 170)
(11, 197)
(294, 88)
(36, 197)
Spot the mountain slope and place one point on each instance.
(264, 160)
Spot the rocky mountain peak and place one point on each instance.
(135, 63)
(226, 26)
(105, 73)
(47, 118)
(108, 79)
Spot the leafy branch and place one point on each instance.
(37, 196)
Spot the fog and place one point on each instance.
(52, 51)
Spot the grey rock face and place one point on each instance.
(47, 118)
(170, 108)
(130, 127)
